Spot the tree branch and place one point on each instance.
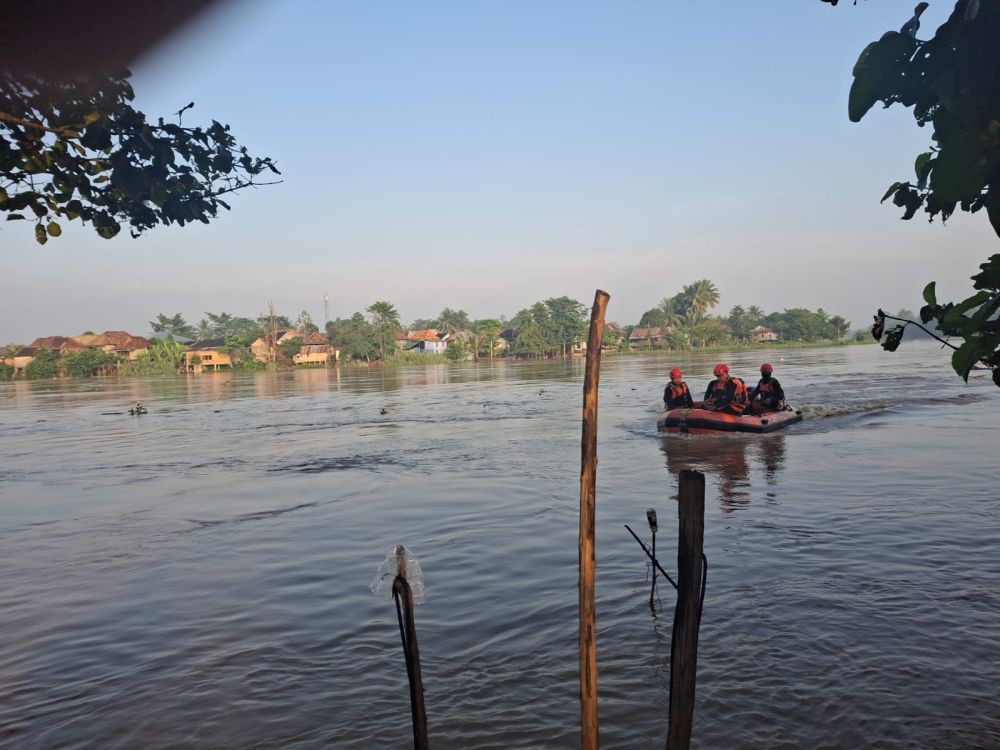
(915, 323)
(223, 191)
(63, 131)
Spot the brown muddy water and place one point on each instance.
(198, 576)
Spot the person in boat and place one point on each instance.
(726, 393)
(677, 395)
(767, 395)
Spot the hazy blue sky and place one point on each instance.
(485, 155)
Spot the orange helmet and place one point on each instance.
(719, 369)
(676, 373)
(767, 368)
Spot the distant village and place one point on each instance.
(116, 351)
(550, 328)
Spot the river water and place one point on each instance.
(199, 576)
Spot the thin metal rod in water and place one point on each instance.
(650, 555)
(652, 588)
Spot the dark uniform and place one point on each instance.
(768, 393)
(730, 397)
(677, 397)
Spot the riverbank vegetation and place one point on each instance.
(555, 327)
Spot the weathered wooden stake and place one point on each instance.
(408, 631)
(687, 616)
(652, 588)
(588, 559)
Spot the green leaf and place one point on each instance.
(878, 67)
(3, 196)
(54, 229)
(964, 358)
(892, 189)
(929, 294)
(92, 118)
(15, 217)
(40, 234)
(893, 338)
(922, 167)
(989, 274)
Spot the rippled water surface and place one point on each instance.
(198, 576)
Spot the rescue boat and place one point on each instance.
(703, 420)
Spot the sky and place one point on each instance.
(483, 156)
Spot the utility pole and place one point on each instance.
(326, 310)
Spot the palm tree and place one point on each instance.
(385, 324)
(672, 316)
(204, 329)
(704, 296)
(840, 326)
(221, 323)
(450, 320)
(172, 326)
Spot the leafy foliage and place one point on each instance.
(534, 331)
(44, 365)
(162, 358)
(488, 332)
(172, 326)
(568, 322)
(77, 149)
(952, 81)
(384, 327)
(450, 321)
(89, 363)
(304, 324)
(456, 351)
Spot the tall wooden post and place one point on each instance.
(411, 653)
(687, 616)
(588, 559)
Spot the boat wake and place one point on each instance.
(822, 411)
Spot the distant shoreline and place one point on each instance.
(428, 360)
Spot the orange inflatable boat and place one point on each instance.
(703, 420)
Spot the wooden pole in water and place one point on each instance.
(687, 616)
(588, 559)
(411, 653)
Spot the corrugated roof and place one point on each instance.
(206, 345)
(316, 338)
(52, 342)
(117, 339)
(427, 334)
(648, 333)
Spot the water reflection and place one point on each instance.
(727, 459)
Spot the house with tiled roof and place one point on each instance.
(427, 341)
(121, 343)
(261, 349)
(58, 345)
(648, 338)
(208, 354)
(762, 334)
(316, 350)
(20, 359)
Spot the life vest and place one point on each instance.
(676, 392)
(718, 390)
(767, 387)
(740, 396)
